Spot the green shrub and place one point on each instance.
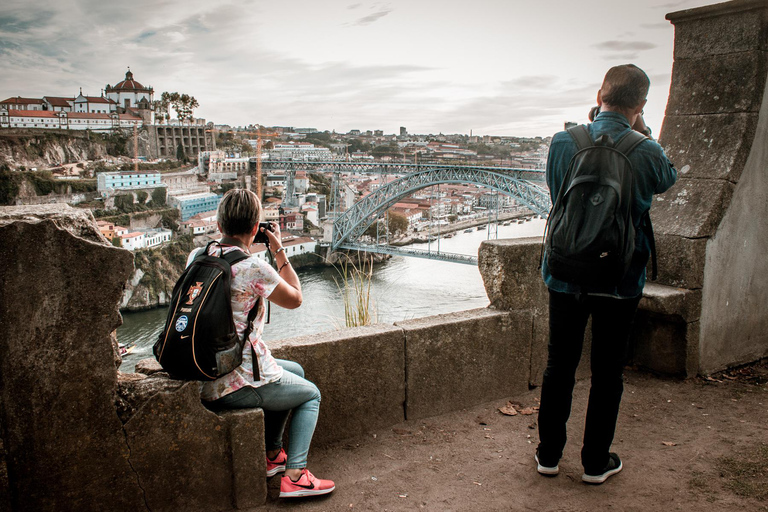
(159, 197)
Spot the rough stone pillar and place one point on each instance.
(513, 282)
(60, 285)
(75, 434)
(711, 226)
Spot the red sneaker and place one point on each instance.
(307, 485)
(278, 464)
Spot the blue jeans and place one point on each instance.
(277, 399)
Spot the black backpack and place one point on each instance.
(199, 341)
(590, 236)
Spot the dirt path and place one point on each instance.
(697, 445)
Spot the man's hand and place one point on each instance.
(641, 127)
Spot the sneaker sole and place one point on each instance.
(276, 470)
(598, 479)
(306, 492)
(545, 470)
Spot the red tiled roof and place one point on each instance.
(18, 100)
(57, 101)
(32, 113)
(88, 115)
(129, 84)
(98, 99)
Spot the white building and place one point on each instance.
(299, 151)
(93, 104)
(276, 180)
(155, 237)
(131, 94)
(294, 246)
(62, 120)
(132, 241)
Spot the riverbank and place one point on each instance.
(456, 227)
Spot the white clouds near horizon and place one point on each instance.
(491, 66)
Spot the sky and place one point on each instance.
(489, 67)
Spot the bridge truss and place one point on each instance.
(353, 223)
(526, 186)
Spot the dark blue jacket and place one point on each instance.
(653, 174)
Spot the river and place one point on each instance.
(402, 288)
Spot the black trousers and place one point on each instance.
(611, 322)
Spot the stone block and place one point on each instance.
(360, 373)
(461, 359)
(722, 28)
(60, 286)
(245, 429)
(539, 350)
(718, 84)
(665, 344)
(691, 208)
(681, 261)
(670, 301)
(148, 366)
(713, 146)
(182, 456)
(511, 274)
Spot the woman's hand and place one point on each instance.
(275, 240)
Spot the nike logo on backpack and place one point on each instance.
(187, 336)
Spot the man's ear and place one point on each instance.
(640, 107)
(599, 98)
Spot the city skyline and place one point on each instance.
(492, 67)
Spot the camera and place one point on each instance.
(261, 237)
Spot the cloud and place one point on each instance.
(624, 46)
(530, 82)
(353, 6)
(657, 26)
(367, 20)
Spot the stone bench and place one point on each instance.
(185, 456)
(666, 331)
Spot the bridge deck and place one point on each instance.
(416, 253)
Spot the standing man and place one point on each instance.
(620, 106)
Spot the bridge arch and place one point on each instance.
(356, 220)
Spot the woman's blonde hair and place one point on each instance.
(239, 211)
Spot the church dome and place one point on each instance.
(129, 84)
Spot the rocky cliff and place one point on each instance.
(21, 150)
(155, 273)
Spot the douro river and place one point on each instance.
(402, 288)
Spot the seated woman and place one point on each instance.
(275, 385)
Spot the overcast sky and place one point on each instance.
(514, 67)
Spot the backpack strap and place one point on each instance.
(580, 135)
(647, 228)
(629, 142)
(233, 257)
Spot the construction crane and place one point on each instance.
(259, 134)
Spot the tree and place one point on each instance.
(180, 154)
(158, 197)
(183, 104)
(398, 223)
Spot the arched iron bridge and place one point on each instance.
(526, 186)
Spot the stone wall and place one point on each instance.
(76, 434)
(711, 225)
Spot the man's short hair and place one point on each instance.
(239, 211)
(625, 86)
